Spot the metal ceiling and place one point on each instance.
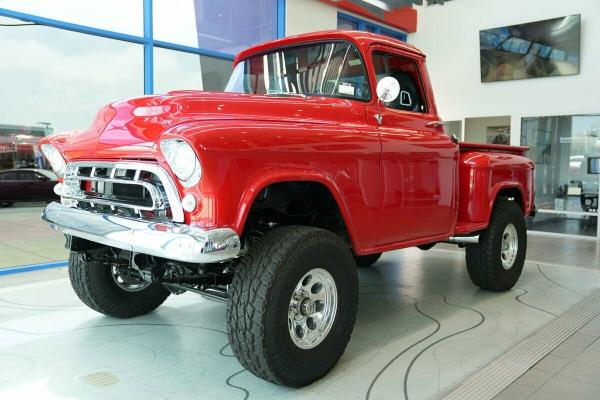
(378, 7)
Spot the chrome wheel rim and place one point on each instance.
(128, 281)
(510, 246)
(312, 309)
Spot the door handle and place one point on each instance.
(435, 124)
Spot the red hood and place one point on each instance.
(141, 121)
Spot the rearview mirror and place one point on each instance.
(388, 89)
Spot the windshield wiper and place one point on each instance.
(287, 94)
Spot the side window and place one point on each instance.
(9, 176)
(26, 176)
(406, 72)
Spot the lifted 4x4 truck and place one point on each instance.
(324, 151)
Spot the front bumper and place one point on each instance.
(166, 240)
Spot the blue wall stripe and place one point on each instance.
(148, 48)
(32, 267)
(111, 34)
(71, 27)
(280, 18)
(194, 50)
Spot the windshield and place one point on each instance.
(322, 69)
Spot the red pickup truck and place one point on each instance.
(324, 151)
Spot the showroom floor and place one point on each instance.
(422, 328)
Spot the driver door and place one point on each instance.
(418, 168)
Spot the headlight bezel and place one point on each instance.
(183, 160)
(57, 161)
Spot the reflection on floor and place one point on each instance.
(421, 328)
(585, 226)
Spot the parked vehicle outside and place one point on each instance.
(27, 185)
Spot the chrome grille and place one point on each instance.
(129, 189)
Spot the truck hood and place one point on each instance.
(141, 121)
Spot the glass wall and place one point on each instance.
(216, 25)
(64, 59)
(566, 151)
(62, 77)
(124, 16)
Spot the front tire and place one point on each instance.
(96, 283)
(292, 305)
(496, 262)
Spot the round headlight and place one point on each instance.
(183, 161)
(55, 158)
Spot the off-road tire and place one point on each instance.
(257, 310)
(367, 261)
(92, 280)
(484, 262)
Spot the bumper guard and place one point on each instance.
(166, 240)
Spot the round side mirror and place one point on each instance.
(388, 89)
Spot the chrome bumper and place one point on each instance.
(166, 240)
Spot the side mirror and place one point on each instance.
(388, 89)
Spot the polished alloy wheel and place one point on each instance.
(312, 308)
(510, 246)
(128, 280)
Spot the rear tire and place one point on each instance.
(496, 262)
(367, 261)
(92, 279)
(266, 305)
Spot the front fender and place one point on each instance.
(240, 158)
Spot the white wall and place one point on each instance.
(449, 35)
(303, 16)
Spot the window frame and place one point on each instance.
(377, 48)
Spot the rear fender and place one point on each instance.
(483, 176)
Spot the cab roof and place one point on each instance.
(361, 39)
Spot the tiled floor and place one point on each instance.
(26, 239)
(422, 327)
(571, 371)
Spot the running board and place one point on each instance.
(463, 239)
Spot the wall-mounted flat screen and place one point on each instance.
(533, 50)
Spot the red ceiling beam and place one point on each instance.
(404, 18)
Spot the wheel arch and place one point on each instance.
(250, 196)
(508, 190)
